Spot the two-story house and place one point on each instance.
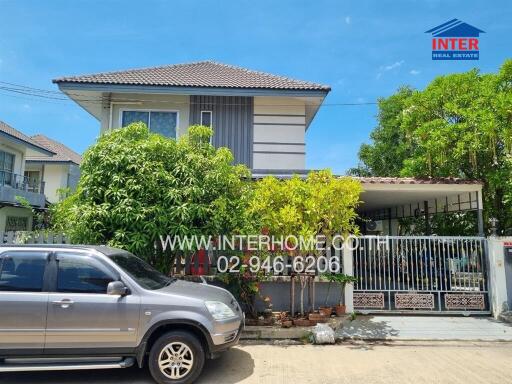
(261, 117)
(32, 169)
(14, 185)
(59, 172)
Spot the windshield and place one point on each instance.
(140, 271)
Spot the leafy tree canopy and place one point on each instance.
(136, 186)
(320, 204)
(460, 125)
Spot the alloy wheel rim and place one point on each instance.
(176, 360)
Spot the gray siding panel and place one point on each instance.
(232, 118)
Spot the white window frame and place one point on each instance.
(121, 110)
(211, 117)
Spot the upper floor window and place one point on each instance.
(6, 168)
(32, 178)
(162, 122)
(206, 118)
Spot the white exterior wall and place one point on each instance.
(55, 177)
(111, 116)
(279, 133)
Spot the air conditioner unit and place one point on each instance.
(374, 226)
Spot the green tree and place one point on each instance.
(460, 125)
(136, 186)
(389, 148)
(320, 204)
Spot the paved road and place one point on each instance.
(396, 363)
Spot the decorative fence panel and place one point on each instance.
(30, 237)
(421, 274)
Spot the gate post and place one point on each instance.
(497, 277)
(348, 269)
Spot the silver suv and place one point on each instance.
(92, 307)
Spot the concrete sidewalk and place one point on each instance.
(426, 328)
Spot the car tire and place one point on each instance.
(177, 357)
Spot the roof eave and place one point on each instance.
(214, 91)
(49, 160)
(27, 144)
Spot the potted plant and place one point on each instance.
(342, 280)
(326, 309)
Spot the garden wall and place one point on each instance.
(279, 293)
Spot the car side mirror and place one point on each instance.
(117, 288)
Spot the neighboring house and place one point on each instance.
(15, 147)
(261, 117)
(58, 172)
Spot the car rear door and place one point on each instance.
(81, 316)
(23, 301)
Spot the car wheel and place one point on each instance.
(177, 357)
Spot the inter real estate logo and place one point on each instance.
(455, 40)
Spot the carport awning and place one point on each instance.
(405, 197)
(397, 197)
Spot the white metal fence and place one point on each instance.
(421, 274)
(32, 237)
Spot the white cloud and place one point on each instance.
(414, 72)
(396, 64)
(386, 68)
(348, 20)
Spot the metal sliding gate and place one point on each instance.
(421, 274)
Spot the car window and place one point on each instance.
(22, 271)
(144, 274)
(82, 274)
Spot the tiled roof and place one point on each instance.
(286, 174)
(62, 153)
(412, 180)
(200, 74)
(10, 131)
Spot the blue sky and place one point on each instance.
(363, 49)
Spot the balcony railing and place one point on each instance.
(21, 182)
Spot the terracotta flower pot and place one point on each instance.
(287, 324)
(340, 310)
(251, 322)
(318, 317)
(302, 323)
(326, 311)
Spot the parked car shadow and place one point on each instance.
(232, 367)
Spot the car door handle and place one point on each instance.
(66, 303)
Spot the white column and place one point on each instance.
(348, 269)
(497, 279)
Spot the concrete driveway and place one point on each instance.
(397, 362)
(426, 328)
